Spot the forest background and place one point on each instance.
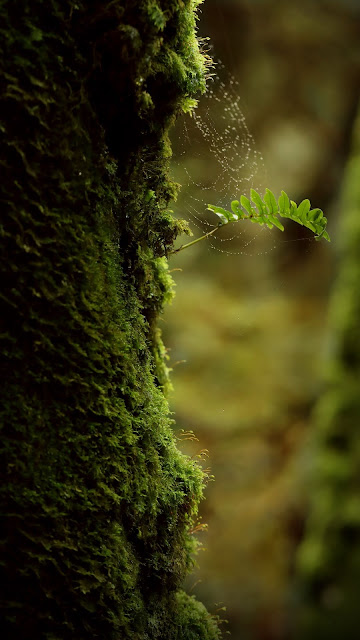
(248, 334)
(99, 506)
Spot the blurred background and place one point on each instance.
(248, 334)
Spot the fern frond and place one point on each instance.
(267, 210)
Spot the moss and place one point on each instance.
(193, 620)
(96, 499)
(329, 557)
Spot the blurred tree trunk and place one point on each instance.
(329, 558)
(96, 499)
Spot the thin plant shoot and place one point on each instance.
(266, 212)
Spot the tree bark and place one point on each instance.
(96, 498)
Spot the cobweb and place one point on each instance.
(216, 161)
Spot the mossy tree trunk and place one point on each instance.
(96, 499)
(329, 557)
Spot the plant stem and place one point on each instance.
(189, 244)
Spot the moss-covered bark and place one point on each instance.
(96, 498)
(329, 558)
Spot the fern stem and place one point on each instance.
(189, 244)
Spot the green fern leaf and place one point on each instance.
(269, 199)
(245, 202)
(257, 201)
(224, 215)
(303, 209)
(284, 203)
(309, 225)
(315, 215)
(269, 209)
(324, 234)
(293, 210)
(267, 213)
(276, 222)
(237, 213)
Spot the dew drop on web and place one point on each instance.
(215, 159)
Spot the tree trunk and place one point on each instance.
(329, 557)
(96, 499)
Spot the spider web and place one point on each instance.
(216, 160)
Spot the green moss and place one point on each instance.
(193, 620)
(96, 499)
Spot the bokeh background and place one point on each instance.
(248, 332)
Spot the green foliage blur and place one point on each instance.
(248, 334)
(328, 561)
